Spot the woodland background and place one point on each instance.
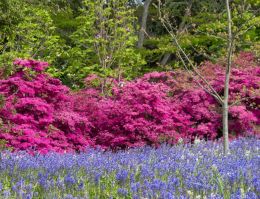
(77, 39)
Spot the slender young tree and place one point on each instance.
(227, 78)
(193, 71)
(106, 38)
(143, 23)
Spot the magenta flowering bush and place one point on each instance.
(244, 91)
(39, 113)
(168, 106)
(140, 113)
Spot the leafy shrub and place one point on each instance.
(39, 113)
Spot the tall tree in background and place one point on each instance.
(104, 41)
(182, 27)
(142, 31)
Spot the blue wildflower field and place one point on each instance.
(183, 171)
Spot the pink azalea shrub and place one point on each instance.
(39, 113)
(168, 106)
(140, 113)
(244, 91)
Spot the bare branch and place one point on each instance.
(169, 29)
(197, 81)
(239, 101)
(143, 24)
(215, 36)
(4, 48)
(39, 47)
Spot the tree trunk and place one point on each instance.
(227, 78)
(143, 24)
(181, 28)
(165, 59)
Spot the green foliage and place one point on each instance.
(201, 29)
(246, 21)
(26, 31)
(3, 143)
(79, 37)
(2, 102)
(103, 43)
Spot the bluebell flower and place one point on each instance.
(27, 196)
(251, 195)
(236, 195)
(157, 185)
(184, 196)
(28, 187)
(6, 193)
(146, 172)
(81, 185)
(122, 192)
(135, 187)
(69, 180)
(168, 195)
(136, 197)
(43, 180)
(14, 188)
(60, 183)
(173, 182)
(97, 178)
(69, 196)
(215, 196)
(256, 183)
(122, 176)
(132, 177)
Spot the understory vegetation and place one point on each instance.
(38, 113)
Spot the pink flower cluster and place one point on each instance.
(39, 113)
(32, 64)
